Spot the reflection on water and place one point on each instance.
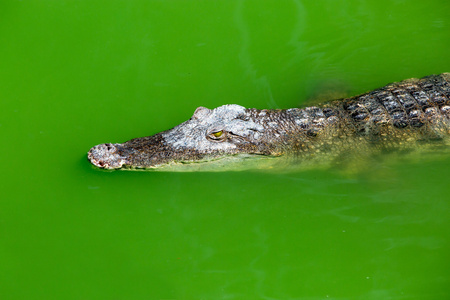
(273, 235)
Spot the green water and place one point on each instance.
(74, 74)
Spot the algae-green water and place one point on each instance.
(74, 74)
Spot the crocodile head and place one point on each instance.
(223, 138)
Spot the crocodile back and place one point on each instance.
(417, 108)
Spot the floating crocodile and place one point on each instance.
(406, 115)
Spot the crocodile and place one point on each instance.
(400, 116)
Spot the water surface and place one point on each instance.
(76, 74)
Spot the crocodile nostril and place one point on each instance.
(106, 156)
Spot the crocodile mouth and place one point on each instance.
(106, 156)
(236, 162)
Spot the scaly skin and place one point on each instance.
(403, 115)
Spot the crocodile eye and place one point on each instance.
(217, 136)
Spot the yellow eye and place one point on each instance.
(217, 136)
(218, 133)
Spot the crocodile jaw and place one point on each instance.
(236, 162)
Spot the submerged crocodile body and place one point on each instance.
(402, 115)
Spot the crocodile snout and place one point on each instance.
(106, 156)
